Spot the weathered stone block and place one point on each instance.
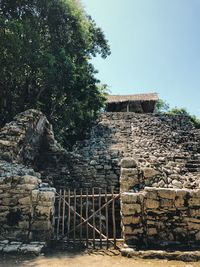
(194, 202)
(25, 201)
(166, 193)
(128, 163)
(166, 203)
(130, 209)
(130, 197)
(179, 202)
(152, 231)
(28, 179)
(128, 172)
(149, 172)
(126, 220)
(151, 204)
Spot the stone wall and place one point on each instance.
(26, 205)
(166, 149)
(157, 216)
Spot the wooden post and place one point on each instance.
(100, 218)
(59, 206)
(63, 215)
(107, 233)
(74, 236)
(113, 218)
(81, 214)
(93, 210)
(127, 107)
(69, 214)
(86, 216)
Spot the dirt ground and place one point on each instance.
(94, 259)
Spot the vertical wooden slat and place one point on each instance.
(74, 236)
(100, 218)
(86, 217)
(81, 214)
(59, 206)
(106, 200)
(63, 214)
(69, 214)
(113, 217)
(93, 221)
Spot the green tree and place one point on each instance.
(46, 48)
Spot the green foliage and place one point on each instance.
(46, 47)
(163, 107)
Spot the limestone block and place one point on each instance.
(128, 230)
(128, 163)
(45, 203)
(28, 187)
(194, 202)
(195, 193)
(166, 203)
(25, 201)
(9, 201)
(35, 195)
(151, 231)
(129, 197)
(149, 172)
(28, 179)
(126, 220)
(128, 172)
(153, 194)
(179, 202)
(46, 196)
(177, 184)
(42, 210)
(151, 204)
(131, 209)
(166, 193)
(193, 226)
(128, 184)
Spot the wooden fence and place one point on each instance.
(89, 216)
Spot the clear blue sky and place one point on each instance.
(155, 47)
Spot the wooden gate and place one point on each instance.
(89, 216)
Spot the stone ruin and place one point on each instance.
(153, 160)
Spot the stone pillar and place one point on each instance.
(131, 202)
(129, 177)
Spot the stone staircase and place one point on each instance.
(193, 165)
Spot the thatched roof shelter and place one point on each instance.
(140, 103)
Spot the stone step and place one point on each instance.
(7, 246)
(193, 169)
(192, 165)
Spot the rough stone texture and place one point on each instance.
(186, 256)
(18, 247)
(161, 152)
(165, 148)
(149, 219)
(26, 206)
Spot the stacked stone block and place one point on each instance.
(26, 205)
(158, 216)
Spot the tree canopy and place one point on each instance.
(46, 48)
